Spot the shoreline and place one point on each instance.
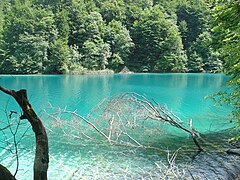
(97, 73)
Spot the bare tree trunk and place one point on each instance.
(5, 174)
(41, 157)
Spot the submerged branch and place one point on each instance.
(124, 120)
(234, 151)
(163, 114)
(88, 122)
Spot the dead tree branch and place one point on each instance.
(144, 109)
(41, 156)
(124, 120)
(160, 113)
(10, 140)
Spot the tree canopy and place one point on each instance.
(226, 28)
(38, 36)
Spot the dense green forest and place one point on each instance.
(70, 36)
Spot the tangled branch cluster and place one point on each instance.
(129, 119)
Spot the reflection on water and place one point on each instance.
(183, 93)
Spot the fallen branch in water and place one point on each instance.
(234, 151)
(123, 120)
(161, 113)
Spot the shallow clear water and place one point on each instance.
(184, 94)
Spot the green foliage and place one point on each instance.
(10, 65)
(1, 18)
(158, 43)
(25, 39)
(87, 27)
(226, 26)
(116, 62)
(59, 57)
(195, 63)
(1, 31)
(42, 36)
(113, 10)
(75, 66)
(31, 54)
(61, 21)
(192, 19)
(202, 57)
(118, 37)
(96, 54)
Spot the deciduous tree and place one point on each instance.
(118, 37)
(226, 27)
(158, 45)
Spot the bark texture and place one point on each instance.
(41, 157)
(5, 174)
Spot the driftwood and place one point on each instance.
(234, 151)
(41, 156)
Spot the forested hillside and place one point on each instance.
(67, 36)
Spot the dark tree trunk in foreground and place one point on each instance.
(41, 157)
(5, 174)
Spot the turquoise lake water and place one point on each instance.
(184, 94)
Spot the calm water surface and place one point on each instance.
(184, 94)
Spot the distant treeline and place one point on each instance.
(71, 36)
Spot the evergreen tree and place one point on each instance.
(89, 27)
(134, 10)
(59, 52)
(77, 14)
